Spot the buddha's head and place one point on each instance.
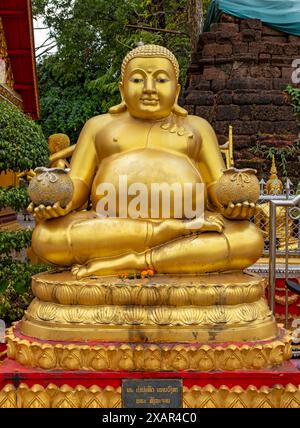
(149, 85)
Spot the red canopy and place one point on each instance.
(18, 27)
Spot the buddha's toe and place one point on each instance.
(79, 271)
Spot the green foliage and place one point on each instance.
(206, 4)
(294, 93)
(16, 241)
(14, 197)
(15, 293)
(287, 153)
(22, 147)
(282, 154)
(22, 143)
(92, 37)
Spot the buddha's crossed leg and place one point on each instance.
(96, 246)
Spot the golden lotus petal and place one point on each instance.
(135, 315)
(204, 296)
(42, 291)
(233, 295)
(23, 355)
(99, 359)
(90, 295)
(46, 311)
(179, 360)
(206, 361)
(65, 294)
(253, 293)
(161, 316)
(178, 296)
(232, 360)
(106, 315)
(218, 315)
(76, 315)
(247, 313)
(120, 295)
(148, 295)
(190, 316)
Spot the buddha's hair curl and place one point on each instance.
(150, 51)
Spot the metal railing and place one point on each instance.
(292, 211)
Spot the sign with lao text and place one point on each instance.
(152, 393)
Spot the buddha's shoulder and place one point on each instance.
(100, 121)
(199, 123)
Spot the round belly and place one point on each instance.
(147, 183)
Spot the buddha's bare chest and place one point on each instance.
(120, 139)
(146, 155)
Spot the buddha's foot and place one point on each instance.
(211, 223)
(104, 266)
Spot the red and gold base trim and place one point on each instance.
(208, 396)
(155, 357)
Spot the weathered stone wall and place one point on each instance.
(237, 77)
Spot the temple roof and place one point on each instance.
(18, 27)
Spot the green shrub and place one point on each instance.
(15, 291)
(22, 147)
(14, 197)
(294, 93)
(16, 241)
(22, 143)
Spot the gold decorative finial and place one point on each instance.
(274, 185)
(273, 171)
(150, 51)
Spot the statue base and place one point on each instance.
(167, 308)
(101, 356)
(22, 387)
(164, 323)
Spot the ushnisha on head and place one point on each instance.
(149, 84)
(150, 51)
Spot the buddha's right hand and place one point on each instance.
(43, 212)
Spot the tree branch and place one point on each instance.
(45, 44)
(46, 50)
(159, 30)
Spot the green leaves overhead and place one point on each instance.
(92, 37)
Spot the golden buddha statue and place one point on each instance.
(274, 186)
(58, 144)
(199, 295)
(148, 138)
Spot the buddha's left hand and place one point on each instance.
(240, 211)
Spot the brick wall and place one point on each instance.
(237, 77)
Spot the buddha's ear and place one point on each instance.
(177, 109)
(120, 108)
(178, 89)
(121, 89)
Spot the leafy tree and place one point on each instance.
(22, 147)
(22, 143)
(91, 38)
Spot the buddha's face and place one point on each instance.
(150, 87)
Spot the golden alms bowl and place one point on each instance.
(238, 185)
(51, 185)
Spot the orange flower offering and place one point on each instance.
(124, 275)
(147, 273)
